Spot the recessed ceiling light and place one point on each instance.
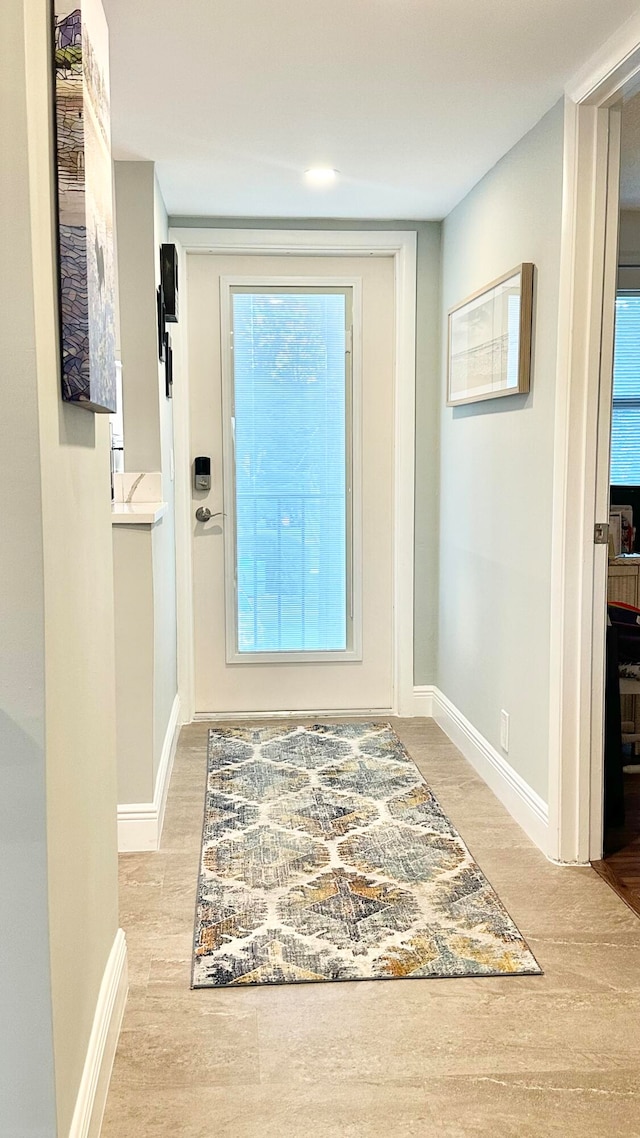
(320, 175)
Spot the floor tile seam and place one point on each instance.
(521, 1084)
(182, 801)
(170, 1089)
(498, 1078)
(159, 1012)
(192, 1085)
(578, 942)
(573, 938)
(531, 937)
(180, 849)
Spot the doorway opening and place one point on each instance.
(620, 863)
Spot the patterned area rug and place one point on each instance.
(325, 856)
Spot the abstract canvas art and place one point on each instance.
(85, 205)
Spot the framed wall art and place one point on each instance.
(489, 340)
(85, 206)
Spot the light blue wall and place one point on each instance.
(146, 696)
(164, 539)
(496, 466)
(27, 1088)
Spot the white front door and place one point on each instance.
(291, 365)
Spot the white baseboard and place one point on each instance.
(523, 803)
(137, 827)
(96, 1074)
(241, 716)
(140, 823)
(166, 763)
(420, 704)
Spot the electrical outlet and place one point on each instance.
(504, 730)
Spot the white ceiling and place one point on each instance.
(411, 100)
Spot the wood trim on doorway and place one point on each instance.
(618, 884)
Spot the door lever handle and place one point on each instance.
(203, 514)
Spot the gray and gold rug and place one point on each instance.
(325, 856)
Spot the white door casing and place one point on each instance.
(582, 439)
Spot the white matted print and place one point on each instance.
(489, 345)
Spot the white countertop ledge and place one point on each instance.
(137, 513)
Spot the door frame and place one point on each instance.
(402, 246)
(581, 444)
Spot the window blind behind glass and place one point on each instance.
(290, 470)
(625, 426)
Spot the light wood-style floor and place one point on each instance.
(621, 868)
(532, 1057)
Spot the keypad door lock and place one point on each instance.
(202, 473)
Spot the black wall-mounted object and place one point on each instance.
(161, 320)
(169, 279)
(168, 366)
(202, 472)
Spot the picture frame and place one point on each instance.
(84, 205)
(489, 338)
